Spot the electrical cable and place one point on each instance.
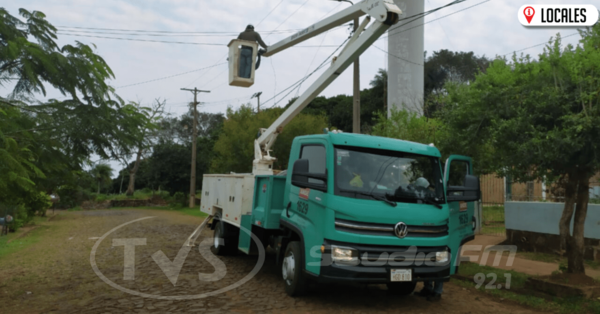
(405, 30)
(60, 31)
(306, 77)
(544, 43)
(290, 15)
(280, 2)
(163, 32)
(171, 76)
(169, 42)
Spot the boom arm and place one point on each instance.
(385, 13)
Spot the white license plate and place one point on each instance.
(401, 275)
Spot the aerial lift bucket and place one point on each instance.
(236, 72)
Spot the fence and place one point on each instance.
(496, 190)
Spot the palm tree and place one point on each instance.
(101, 173)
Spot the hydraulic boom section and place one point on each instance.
(384, 12)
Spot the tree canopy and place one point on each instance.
(542, 120)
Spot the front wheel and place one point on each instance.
(291, 269)
(401, 288)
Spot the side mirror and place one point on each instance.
(301, 176)
(468, 193)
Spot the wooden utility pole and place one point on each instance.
(356, 102)
(257, 95)
(356, 85)
(194, 137)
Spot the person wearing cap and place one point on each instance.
(246, 53)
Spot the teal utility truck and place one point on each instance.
(350, 207)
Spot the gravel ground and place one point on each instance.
(55, 275)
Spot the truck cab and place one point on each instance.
(361, 208)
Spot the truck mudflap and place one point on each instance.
(374, 265)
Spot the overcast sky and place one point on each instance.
(490, 29)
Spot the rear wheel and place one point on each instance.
(225, 238)
(401, 288)
(218, 247)
(291, 269)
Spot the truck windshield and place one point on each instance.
(397, 176)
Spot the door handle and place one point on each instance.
(287, 210)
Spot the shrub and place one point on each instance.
(37, 203)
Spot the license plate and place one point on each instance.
(401, 275)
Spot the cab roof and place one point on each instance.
(378, 142)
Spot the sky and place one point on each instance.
(490, 28)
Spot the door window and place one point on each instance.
(458, 170)
(317, 160)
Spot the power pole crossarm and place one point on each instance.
(194, 137)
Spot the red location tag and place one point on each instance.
(529, 12)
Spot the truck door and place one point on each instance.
(461, 224)
(305, 210)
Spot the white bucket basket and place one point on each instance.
(235, 72)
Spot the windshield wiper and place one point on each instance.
(377, 197)
(427, 200)
(410, 196)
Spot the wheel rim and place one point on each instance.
(288, 268)
(216, 237)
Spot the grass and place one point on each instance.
(18, 244)
(550, 304)
(493, 213)
(493, 220)
(186, 211)
(551, 258)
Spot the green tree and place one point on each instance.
(409, 126)
(234, 150)
(145, 122)
(44, 145)
(101, 174)
(447, 66)
(543, 120)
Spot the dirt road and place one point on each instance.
(55, 275)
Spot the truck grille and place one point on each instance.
(388, 229)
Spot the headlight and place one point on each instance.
(442, 257)
(344, 254)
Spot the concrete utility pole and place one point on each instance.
(194, 137)
(257, 95)
(405, 60)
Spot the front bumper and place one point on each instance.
(365, 273)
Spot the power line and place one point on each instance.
(171, 76)
(544, 43)
(146, 40)
(172, 42)
(291, 14)
(293, 86)
(280, 2)
(397, 57)
(390, 33)
(159, 35)
(164, 32)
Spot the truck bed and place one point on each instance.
(229, 195)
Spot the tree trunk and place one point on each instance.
(98, 187)
(121, 187)
(577, 247)
(565, 221)
(132, 172)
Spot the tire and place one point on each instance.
(229, 235)
(291, 270)
(218, 247)
(401, 288)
